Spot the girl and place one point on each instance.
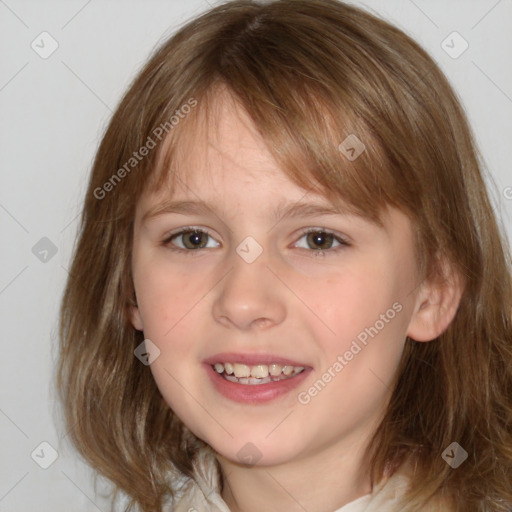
(289, 290)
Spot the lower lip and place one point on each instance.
(256, 393)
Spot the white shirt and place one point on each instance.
(202, 494)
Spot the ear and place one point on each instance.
(135, 318)
(437, 302)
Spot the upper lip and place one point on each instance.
(251, 359)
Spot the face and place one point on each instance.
(249, 293)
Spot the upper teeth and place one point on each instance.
(259, 371)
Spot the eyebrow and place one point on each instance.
(282, 211)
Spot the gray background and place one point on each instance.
(53, 112)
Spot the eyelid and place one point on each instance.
(185, 229)
(343, 238)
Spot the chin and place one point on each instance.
(256, 449)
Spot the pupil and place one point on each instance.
(320, 239)
(195, 238)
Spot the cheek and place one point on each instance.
(361, 354)
(365, 310)
(168, 304)
(355, 299)
(164, 296)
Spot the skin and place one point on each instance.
(287, 302)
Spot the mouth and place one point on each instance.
(252, 378)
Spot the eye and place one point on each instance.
(319, 241)
(192, 239)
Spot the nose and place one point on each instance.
(250, 295)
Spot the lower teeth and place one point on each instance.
(252, 381)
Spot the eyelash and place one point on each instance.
(315, 252)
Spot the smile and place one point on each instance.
(254, 378)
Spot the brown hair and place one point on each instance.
(309, 73)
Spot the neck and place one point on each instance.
(325, 480)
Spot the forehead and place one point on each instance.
(219, 154)
(225, 145)
(221, 151)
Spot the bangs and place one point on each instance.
(321, 149)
